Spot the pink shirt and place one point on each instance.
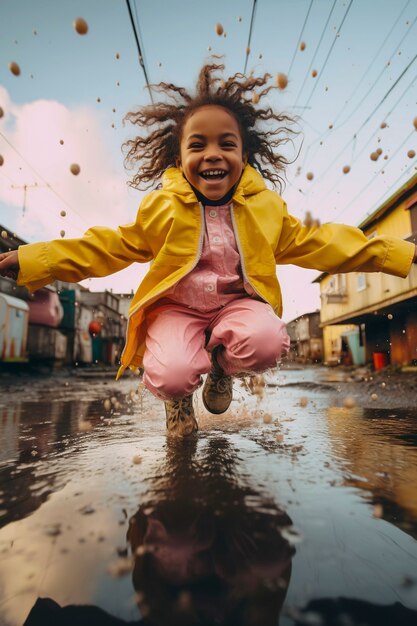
(217, 278)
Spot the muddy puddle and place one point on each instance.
(291, 508)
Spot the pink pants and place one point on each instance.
(179, 340)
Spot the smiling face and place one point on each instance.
(211, 151)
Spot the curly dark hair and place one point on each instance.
(160, 148)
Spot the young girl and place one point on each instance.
(211, 302)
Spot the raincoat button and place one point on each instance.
(210, 287)
(216, 239)
(213, 213)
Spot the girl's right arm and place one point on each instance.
(9, 264)
(100, 252)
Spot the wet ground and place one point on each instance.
(298, 507)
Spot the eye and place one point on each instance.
(229, 144)
(195, 145)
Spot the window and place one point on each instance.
(361, 281)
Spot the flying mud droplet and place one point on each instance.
(260, 55)
(239, 19)
(98, 99)
(314, 73)
(415, 123)
(374, 156)
(137, 460)
(120, 568)
(75, 169)
(61, 141)
(117, 55)
(14, 68)
(1, 160)
(1, 112)
(349, 402)
(303, 401)
(378, 511)
(247, 51)
(379, 151)
(267, 418)
(411, 154)
(282, 80)
(81, 26)
(374, 396)
(383, 125)
(219, 29)
(302, 45)
(63, 213)
(62, 233)
(346, 169)
(309, 175)
(279, 438)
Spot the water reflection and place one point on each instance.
(378, 451)
(207, 547)
(33, 434)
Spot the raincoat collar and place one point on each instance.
(251, 182)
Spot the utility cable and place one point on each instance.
(252, 19)
(141, 58)
(367, 119)
(47, 184)
(315, 52)
(326, 133)
(377, 78)
(329, 53)
(375, 175)
(299, 38)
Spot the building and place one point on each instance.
(66, 323)
(306, 337)
(381, 310)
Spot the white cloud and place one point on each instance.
(98, 195)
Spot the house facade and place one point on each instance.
(381, 308)
(306, 338)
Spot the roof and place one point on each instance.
(16, 303)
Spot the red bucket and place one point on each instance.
(380, 360)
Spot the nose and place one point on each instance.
(212, 154)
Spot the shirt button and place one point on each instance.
(216, 239)
(213, 213)
(210, 288)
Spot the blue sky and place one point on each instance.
(363, 51)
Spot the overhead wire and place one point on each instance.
(300, 36)
(139, 49)
(47, 184)
(366, 72)
(325, 134)
(329, 52)
(366, 121)
(375, 176)
(248, 46)
(315, 52)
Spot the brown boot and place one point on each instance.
(180, 416)
(218, 389)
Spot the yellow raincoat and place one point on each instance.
(169, 230)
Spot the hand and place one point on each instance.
(9, 264)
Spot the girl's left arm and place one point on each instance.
(337, 248)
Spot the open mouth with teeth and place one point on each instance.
(213, 174)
